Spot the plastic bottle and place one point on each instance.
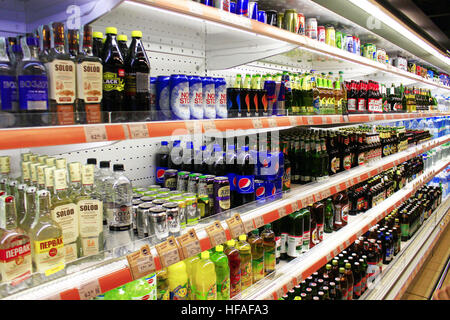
(122, 193)
(190, 269)
(217, 163)
(230, 158)
(175, 158)
(178, 281)
(245, 177)
(256, 243)
(161, 162)
(245, 250)
(222, 273)
(269, 243)
(234, 262)
(205, 278)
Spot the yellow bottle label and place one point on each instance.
(75, 171)
(41, 174)
(87, 174)
(61, 163)
(60, 179)
(48, 255)
(49, 176)
(26, 170)
(90, 217)
(33, 171)
(42, 159)
(67, 217)
(5, 166)
(50, 161)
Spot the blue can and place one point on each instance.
(262, 17)
(233, 7)
(209, 98)
(163, 98)
(348, 43)
(220, 87)
(179, 97)
(242, 7)
(260, 191)
(253, 10)
(208, 3)
(270, 87)
(152, 88)
(270, 189)
(196, 97)
(278, 188)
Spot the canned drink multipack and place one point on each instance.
(196, 97)
(179, 97)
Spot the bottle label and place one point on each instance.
(357, 290)
(258, 269)
(60, 180)
(319, 232)
(361, 104)
(347, 162)
(179, 293)
(269, 259)
(15, 263)
(90, 246)
(223, 288)
(114, 81)
(48, 255)
(159, 178)
(62, 81)
(179, 101)
(345, 209)
(246, 273)
(314, 237)
(235, 282)
(287, 179)
(405, 229)
(361, 158)
(90, 217)
(67, 217)
(75, 171)
(221, 101)
(306, 239)
(142, 82)
(294, 245)
(33, 92)
(8, 93)
(334, 165)
(121, 216)
(70, 252)
(373, 271)
(90, 81)
(223, 198)
(351, 104)
(209, 101)
(245, 184)
(209, 294)
(5, 166)
(283, 243)
(196, 100)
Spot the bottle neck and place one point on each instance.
(3, 53)
(10, 215)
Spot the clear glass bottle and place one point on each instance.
(75, 179)
(8, 88)
(30, 209)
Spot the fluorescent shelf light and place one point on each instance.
(375, 11)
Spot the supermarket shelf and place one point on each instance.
(398, 274)
(254, 215)
(292, 273)
(16, 138)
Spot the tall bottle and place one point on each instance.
(306, 213)
(106, 180)
(33, 85)
(234, 262)
(122, 40)
(15, 247)
(205, 278)
(30, 201)
(269, 244)
(48, 254)
(245, 251)
(65, 212)
(62, 80)
(295, 235)
(97, 44)
(89, 82)
(113, 77)
(222, 268)
(121, 196)
(257, 248)
(137, 79)
(8, 88)
(178, 281)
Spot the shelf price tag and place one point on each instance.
(293, 120)
(257, 123)
(309, 120)
(209, 125)
(193, 127)
(216, 233)
(56, 296)
(294, 206)
(95, 133)
(189, 243)
(168, 252)
(282, 212)
(89, 290)
(259, 221)
(235, 225)
(325, 194)
(248, 225)
(138, 131)
(141, 262)
(272, 122)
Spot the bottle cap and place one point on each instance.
(91, 161)
(104, 164)
(268, 226)
(341, 270)
(348, 265)
(219, 248)
(118, 167)
(242, 237)
(97, 34)
(255, 231)
(164, 143)
(122, 37)
(230, 243)
(32, 41)
(111, 30)
(136, 34)
(205, 254)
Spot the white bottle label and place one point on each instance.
(62, 81)
(90, 81)
(67, 217)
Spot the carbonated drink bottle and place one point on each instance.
(178, 281)
(217, 165)
(230, 158)
(162, 285)
(234, 262)
(188, 158)
(245, 177)
(161, 162)
(222, 273)
(176, 156)
(245, 250)
(200, 161)
(205, 278)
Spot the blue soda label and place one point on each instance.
(8, 92)
(163, 98)
(270, 188)
(245, 184)
(209, 99)
(221, 100)
(159, 176)
(33, 92)
(179, 101)
(232, 180)
(260, 191)
(196, 100)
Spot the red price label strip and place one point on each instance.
(95, 133)
(89, 290)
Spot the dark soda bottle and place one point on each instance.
(122, 43)
(137, 79)
(245, 177)
(188, 158)
(230, 159)
(217, 165)
(176, 154)
(113, 77)
(97, 44)
(161, 162)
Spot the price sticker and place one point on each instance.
(325, 194)
(280, 292)
(282, 212)
(272, 122)
(209, 125)
(138, 130)
(258, 221)
(336, 119)
(95, 133)
(189, 243)
(293, 121)
(235, 225)
(309, 200)
(310, 120)
(216, 233)
(299, 278)
(53, 297)
(141, 262)
(294, 206)
(248, 225)
(168, 252)
(89, 290)
(257, 123)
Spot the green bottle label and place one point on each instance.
(405, 229)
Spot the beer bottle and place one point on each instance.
(137, 79)
(306, 213)
(113, 77)
(332, 291)
(343, 284)
(324, 160)
(334, 269)
(319, 216)
(345, 157)
(363, 273)
(350, 280)
(329, 216)
(356, 270)
(295, 235)
(287, 167)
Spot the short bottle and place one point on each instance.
(205, 278)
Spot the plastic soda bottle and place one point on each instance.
(118, 293)
(256, 242)
(245, 250)
(190, 269)
(205, 278)
(234, 262)
(222, 273)
(269, 243)
(178, 281)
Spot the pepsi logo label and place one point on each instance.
(260, 191)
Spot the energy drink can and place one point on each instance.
(192, 212)
(272, 17)
(242, 8)
(163, 98)
(339, 39)
(179, 97)
(233, 7)
(181, 202)
(311, 28)
(301, 23)
(270, 87)
(209, 98)
(163, 196)
(321, 34)
(262, 17)
(253, 10)
(221, 194)
(182, 181)
(134, 205)
(220, 87)
(356, 45)
(173, 218)
(223, 5)
(195, 97)
(330, 36)
(170, 179)
(154, 187)
(192, 186)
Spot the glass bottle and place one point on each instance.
(30, 202)
(8, 88)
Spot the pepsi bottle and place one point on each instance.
(230, 159)
(175, 156)
(162, 162)
(201, 156)
(188, 158)
(245, 177)
(217, 165)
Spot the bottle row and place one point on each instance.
(359, 267)
(48, 78)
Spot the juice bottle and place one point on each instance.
(269, 249)
(234, 262)
(162, 284)
(118, 293)
(222, 273)
(256, 242)
(178, 281)
(245, 250)
(190, 269)
(205, 278)
(142, 289)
